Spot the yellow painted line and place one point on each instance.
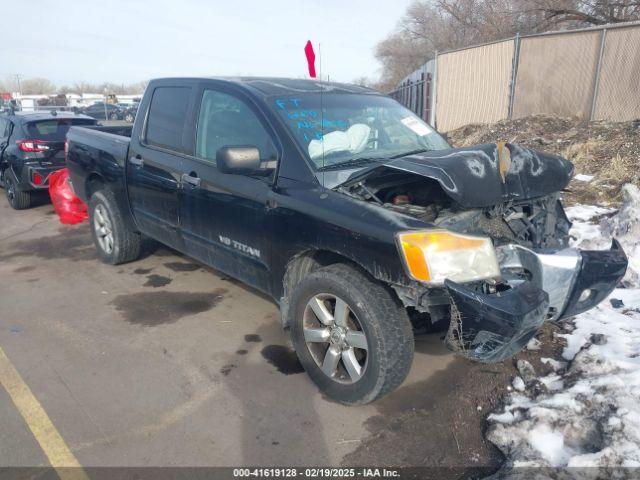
(55, 448)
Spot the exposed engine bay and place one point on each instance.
(538, 223)
(510, 195)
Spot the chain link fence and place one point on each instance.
(591, 74)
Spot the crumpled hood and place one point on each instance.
(472, 176)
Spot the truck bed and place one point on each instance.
(120, 130)
(97, 149)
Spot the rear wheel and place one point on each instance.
(18, 199)
(113, 116)
(351, 336)
(115, 241)
(129, 118)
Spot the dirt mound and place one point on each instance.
(609, 152)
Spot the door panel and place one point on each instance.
(223, 223)
(223, 216)
(154, 166)
(153, 180)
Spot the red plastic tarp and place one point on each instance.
(69, 208)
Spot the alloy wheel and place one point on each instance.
(11, 189)
(103, 229)
(335, 338)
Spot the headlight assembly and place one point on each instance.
(434, 255)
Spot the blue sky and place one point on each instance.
(126, 41)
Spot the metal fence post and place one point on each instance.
(434, 86)
(596, 82)
(514, 73)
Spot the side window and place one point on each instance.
(167, 117)
(226, 121)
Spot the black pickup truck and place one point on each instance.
(351, 212)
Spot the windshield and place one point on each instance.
(54, 130)
(350, 130)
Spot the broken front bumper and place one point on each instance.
(490, 327)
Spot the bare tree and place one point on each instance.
(437, 25)
(84, 87)
(585, 12)
(137, 87)
(33, 86)
(430, 25)
(64, 89)
(10, 84)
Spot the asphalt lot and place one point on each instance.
(164, 362)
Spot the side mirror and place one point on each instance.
(240, 160)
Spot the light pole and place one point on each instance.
(105, 104)
(19, 86)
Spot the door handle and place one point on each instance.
(136, 161)
(191, 178)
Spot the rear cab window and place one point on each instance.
(167, 118)
(54, 130)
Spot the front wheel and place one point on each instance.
(115, 241)
(113, 116)
(351, 336)
(129, 118)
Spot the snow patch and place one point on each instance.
(533, 344)
(518, 384)
(555, 364)
(581, 177)
(549, 444)
(586, 413)
(595, 227)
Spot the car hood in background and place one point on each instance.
(473, 176)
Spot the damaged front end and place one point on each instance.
(510, 195)
(490, 326)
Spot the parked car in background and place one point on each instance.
(130, 111)
(100, 112)
(31, 148)
(352, 213)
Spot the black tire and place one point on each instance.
(381, 318)
(114, 116)
(18, 199)
(129, 118)
(125, 242)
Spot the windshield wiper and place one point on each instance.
(411, 152)
(357, 162)
(354, 162)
